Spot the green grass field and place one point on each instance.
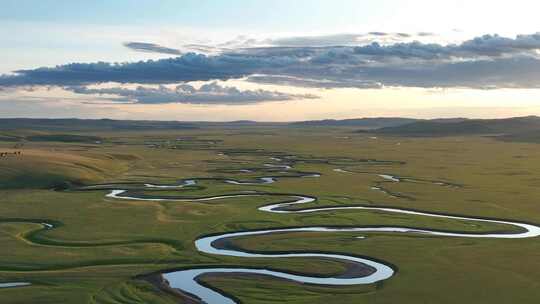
(102, 245)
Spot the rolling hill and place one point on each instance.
(506, 128)
(72, 124)
(364, 123)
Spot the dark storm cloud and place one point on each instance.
(489, 61)
(210, 93)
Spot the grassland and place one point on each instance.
(103, 245)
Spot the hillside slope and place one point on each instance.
(45, 168)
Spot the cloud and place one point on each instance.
(403, 35)
(495, 45)
(151, 48)
(485, 46)
(188, 67)
(404, 50)
(489, 61)
(323, 40)
(210, 93)
(313, 83)
(378, 33)
(522, 72)
(516, 72)
(343, 39)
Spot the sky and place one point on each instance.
(275, 60)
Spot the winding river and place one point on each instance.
(187, 280)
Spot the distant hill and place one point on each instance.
(73, 124)
(243, 122)
(89, 124)
(511, 129)
(507, 127)
(364, 123)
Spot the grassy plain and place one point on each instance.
(103, 244)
